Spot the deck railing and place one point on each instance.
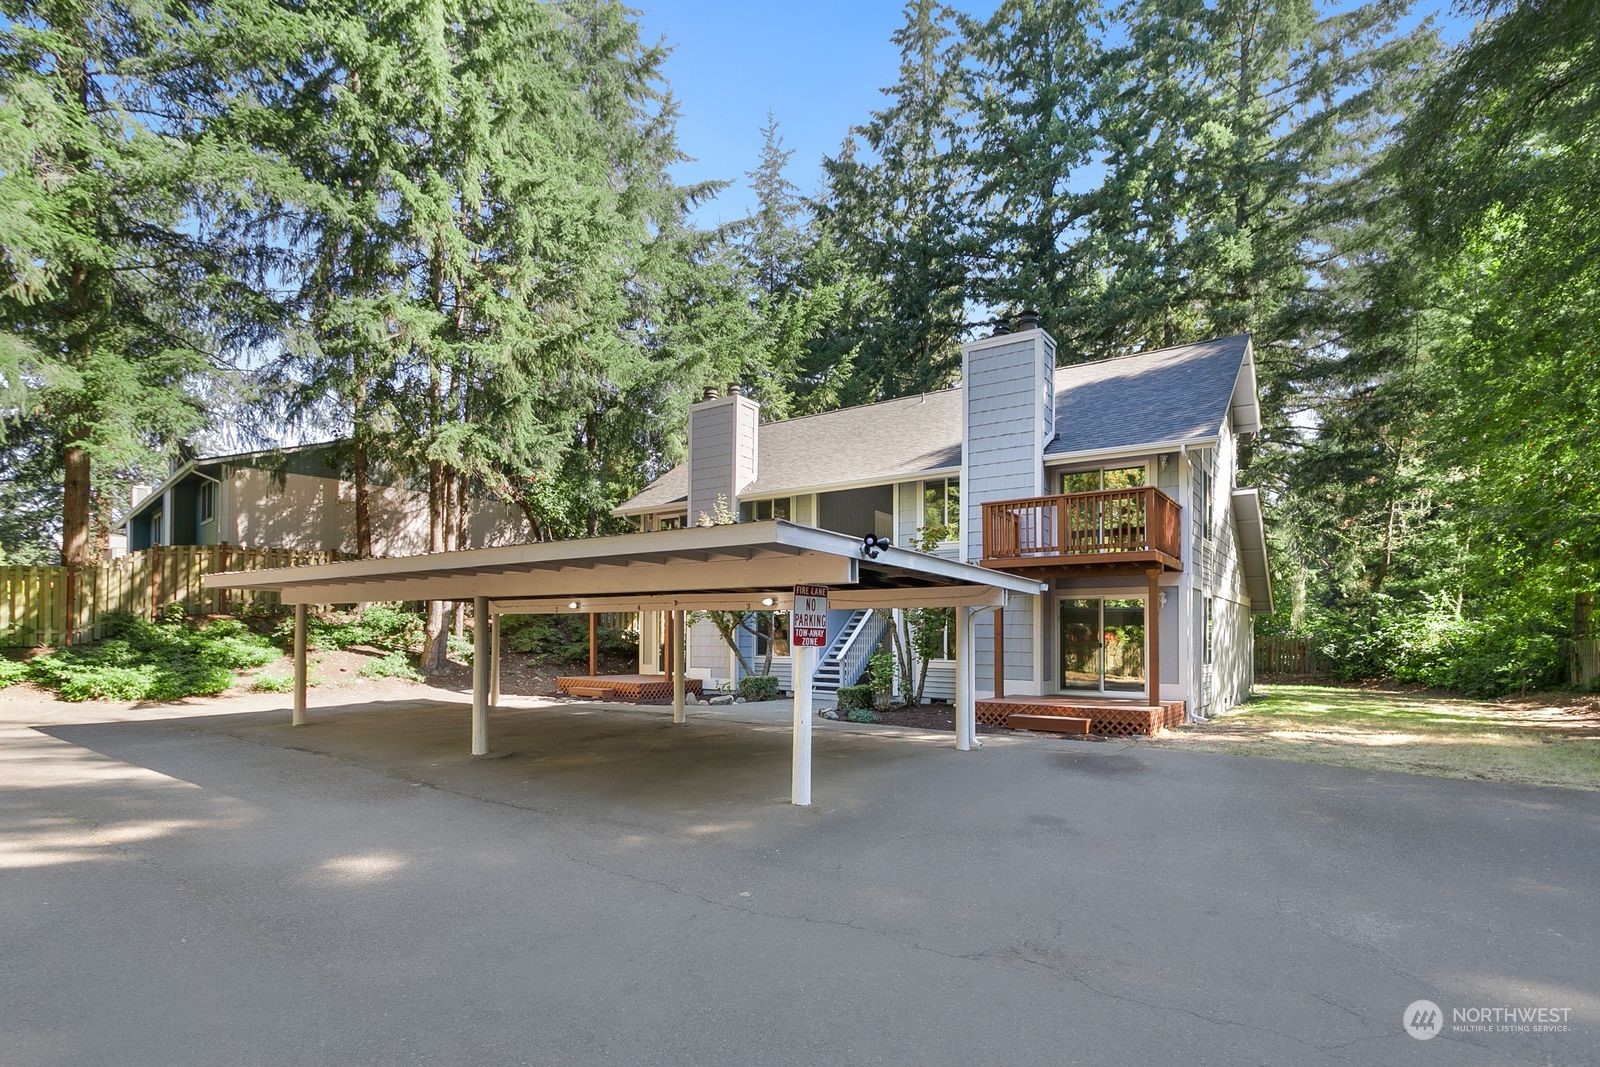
(1082, 524)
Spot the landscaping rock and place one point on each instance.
(720, 701)
(828, 713)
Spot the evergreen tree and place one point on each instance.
(897, 214)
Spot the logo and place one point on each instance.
(1422, 1019)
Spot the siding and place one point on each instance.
(710, 457)
(854, 511)
(709, 657)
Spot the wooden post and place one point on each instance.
(594, 654)
(222, 566)
(480, 676)
(677, 667)
(69, 616)
(494, 658)
(1153, 636)
(155, 581)
(999, 653)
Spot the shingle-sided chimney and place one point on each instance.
(1009, 400)
(724, 434)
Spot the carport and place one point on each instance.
(745, 566)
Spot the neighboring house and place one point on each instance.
(295, 498)
(1105, 480)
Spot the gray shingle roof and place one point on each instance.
(1170, 395)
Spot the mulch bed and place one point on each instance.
(927, 717)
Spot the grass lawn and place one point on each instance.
(1550, 739)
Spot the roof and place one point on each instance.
(1169, 396)
(699, 567)
(199, 463)
(1253, 549)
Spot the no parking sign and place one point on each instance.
(809, 625)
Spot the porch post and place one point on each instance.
(480, 677)
(670, 617)
(494, 658)
(593, 653)
(1153, 636)
(966, 665)
(999, 653)
(298, 716)
(805, 661)
(677, 629)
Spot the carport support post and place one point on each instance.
(805, 661)
(494, 659)
(966, 668)
(676, 637)
(298, 716)
(480, 676)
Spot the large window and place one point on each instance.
(941, 508)
(765, 510)
(206, 501)
(772, 631)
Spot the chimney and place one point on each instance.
(723, 445)
(710, 393)
(1025, 321)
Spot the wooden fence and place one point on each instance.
(1288, 655)
(51, 606)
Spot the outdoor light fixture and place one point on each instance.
(573, 604)
(767, 602)
(871, 546)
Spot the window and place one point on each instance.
(206, 503)
(1104, 478)
(772, 631)
(1211, 626)
(765, 510)
(941, 508)
(670, 522)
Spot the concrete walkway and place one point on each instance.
(204, 886)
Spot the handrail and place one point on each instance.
(854, 626)
(1096, 523)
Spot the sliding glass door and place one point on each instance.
(1102, 645)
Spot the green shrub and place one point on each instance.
(861, 715)
(386, 627)
(855, 697)
(12, 672)
(142, 661)
(758, 687)
(564, 639)
(459, 648)
(271, 683)
(394, 665)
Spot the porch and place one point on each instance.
(1106, 715)
(1113, 529)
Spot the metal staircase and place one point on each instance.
(846, 658)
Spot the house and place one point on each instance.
(1112, 483)
(296, 498)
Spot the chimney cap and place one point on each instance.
(1026, 320)
(735, 389)
(1001, 328)
(710, 393)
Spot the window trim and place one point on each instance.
(922, 506)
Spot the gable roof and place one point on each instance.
(1169, 396)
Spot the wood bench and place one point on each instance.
(1055, 724)
(599, 692)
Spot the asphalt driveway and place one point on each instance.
(202, 886)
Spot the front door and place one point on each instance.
(1102, 645)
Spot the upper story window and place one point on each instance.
(941, 508)
(1103, 478)
(765, 510)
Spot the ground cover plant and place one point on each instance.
(139, 660)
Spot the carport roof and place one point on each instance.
(703, 567)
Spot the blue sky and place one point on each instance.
(818, 66)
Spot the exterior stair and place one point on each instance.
(846, 658)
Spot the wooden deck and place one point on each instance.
(626, 687)
(1122, 531)
(1118, 718)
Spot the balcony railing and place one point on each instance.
(1083, 528)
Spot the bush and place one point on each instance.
(271, 683)
(861, 715)
(564, 639)
(458, 648)
(855, 697)
(394, 665)
(758, 687)
(12, 672)
(141, 661)
(385, 627)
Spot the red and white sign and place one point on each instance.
(808, 624)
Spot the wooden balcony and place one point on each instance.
(1116, 530)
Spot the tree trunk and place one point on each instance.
(361, 475)
(75, 507)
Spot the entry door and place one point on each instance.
(1102, 645)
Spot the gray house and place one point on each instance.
(1112, 483)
